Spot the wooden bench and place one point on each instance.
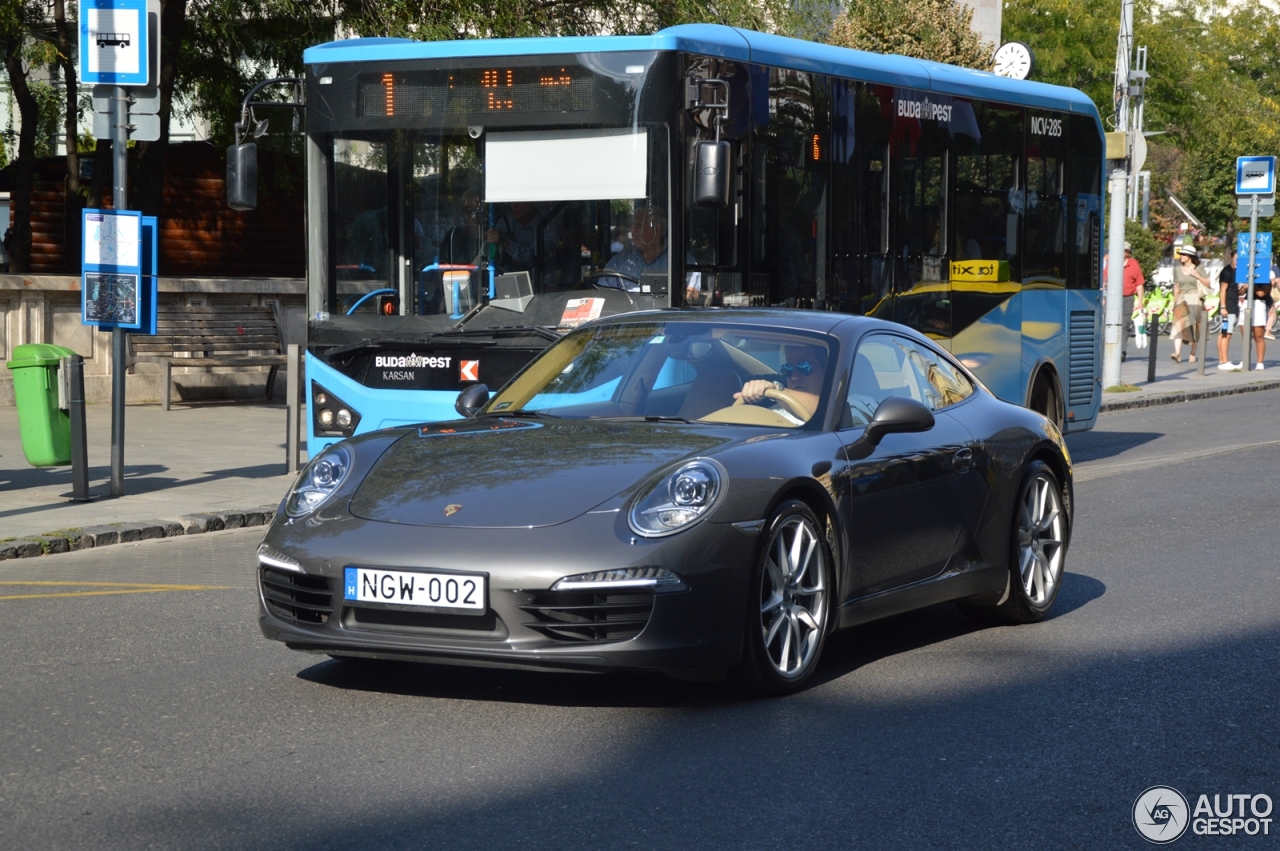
(206, 336)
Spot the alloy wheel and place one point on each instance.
(1040, 540)
(793, 596)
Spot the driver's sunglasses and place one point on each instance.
(804, 368)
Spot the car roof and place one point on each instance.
(820, 321)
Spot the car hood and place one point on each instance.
(517, 472)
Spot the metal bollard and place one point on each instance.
(293, 418)
(73, 368)
(1153, 334)
(1204, 339)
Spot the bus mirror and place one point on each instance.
(712, 161)
(242, 176)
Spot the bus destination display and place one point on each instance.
(476, 90)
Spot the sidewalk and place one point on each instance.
(225, 461)
(214, 466)
(1182, 382)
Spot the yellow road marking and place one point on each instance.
(121, 588)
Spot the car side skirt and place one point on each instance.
(975, 579)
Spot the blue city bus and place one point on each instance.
(469, 201)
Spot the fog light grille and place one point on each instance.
(587, 617)
(296, 597)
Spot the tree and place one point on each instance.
(939, 30)
(17, 19)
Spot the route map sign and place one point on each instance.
(110, 293)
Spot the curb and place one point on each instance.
(123, 533)
(1189, 396)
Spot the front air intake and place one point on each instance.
(588, 617)
(296, 597)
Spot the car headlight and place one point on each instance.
(678, 499)
(319, 480)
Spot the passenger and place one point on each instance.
(805, 371)
(515, 235)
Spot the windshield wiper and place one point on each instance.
(519, 413)
(648, 419)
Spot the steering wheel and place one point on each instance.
(593, 280)
(791, 403)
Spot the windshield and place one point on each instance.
(696, 371)
(424, 223)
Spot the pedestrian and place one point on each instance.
(1134, 285)
(1275, 300)
(1228, 308)
(1262, 303)
(1188, 301)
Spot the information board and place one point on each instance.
(111, 293)
(1262, 274)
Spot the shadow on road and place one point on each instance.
(845, 652)
(1096, 445)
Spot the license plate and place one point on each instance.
(463, 593)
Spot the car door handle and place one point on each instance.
(962, 460)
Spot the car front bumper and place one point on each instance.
(526, 624)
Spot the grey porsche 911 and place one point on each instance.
(677, 490)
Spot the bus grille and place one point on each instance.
(1082, 358)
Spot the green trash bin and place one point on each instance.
(46, 430)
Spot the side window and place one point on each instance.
(881, 368)
(943, 384)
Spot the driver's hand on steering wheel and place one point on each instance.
(753, 391)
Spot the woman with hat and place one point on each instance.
(1188, 301)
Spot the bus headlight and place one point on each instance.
(678, 499)
(331, 417)
(319, 481)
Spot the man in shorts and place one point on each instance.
(1228, 308)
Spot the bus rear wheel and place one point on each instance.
(1046, 400)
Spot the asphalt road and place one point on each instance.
(161, 718)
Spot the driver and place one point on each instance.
(805, 370)
(648, 249)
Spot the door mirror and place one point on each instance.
(897, 414)
(712, 164)
(471, 400)
(242, 176)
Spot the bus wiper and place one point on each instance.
(504, 331)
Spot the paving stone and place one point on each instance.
(172, 528)
(231, 519)
(254, 518)
(20, 548)
(51, 544)
(79, 541)
(102, 535)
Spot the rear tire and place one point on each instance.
(789, 603)
(1047, 401)
(1037, 551)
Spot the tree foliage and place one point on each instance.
(1214, 89)
(939, 30)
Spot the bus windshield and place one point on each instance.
(425, 223)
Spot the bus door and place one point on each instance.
(918, 190)
(861, 278)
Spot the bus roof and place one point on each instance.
(729, 43)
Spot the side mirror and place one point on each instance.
(896, 415)
(242, 176)
(712, 164)
(471, 400)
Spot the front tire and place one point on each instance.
(788, 608)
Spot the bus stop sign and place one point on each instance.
(115, 46)
(1256, 176)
